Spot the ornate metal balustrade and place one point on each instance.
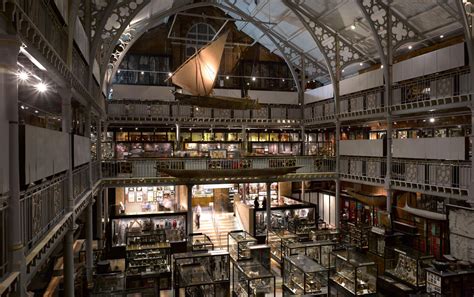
(95, 172)
(437, 177)
(41, 207)
(3, 236)
(155, 167)
(80, 181)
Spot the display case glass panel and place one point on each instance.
(303, 276)
(148, 258)
(276, 241)
(202, 273)
(407, 265)
(319, 251)
(252, 279)
(199, 242)
(238, 245)
(354, 272)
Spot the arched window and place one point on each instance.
(198, 35)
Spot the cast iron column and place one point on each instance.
(338, 135)
(88, 227)
(269, 207)
(98, 202)
(388, 102)
(68, 241)
(190, 208)
(9, 49)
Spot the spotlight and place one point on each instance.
(410, 47)
(41, 87)
(36, 111)
(227, 77)
(170, 74)
(197, 108)
(360, 64)
(248, 84)
(143, 72)
(342, 70)
(381, 66)
(23, 76)
(432, 120)
(253, 78)
(283, 80)
(118, 71)
(441, 36)
(353, 27)
(22, 107)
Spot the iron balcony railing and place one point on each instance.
(80, 181)
(41, 207)
(154, 167)
(95, 172)
(438, 173)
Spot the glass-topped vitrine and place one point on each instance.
(275, 240)
(238, 244)
(303, 276)
(319, 251)
(250, 278)
(407, 265)
(201, 274)
(199, 242)
(354, 274)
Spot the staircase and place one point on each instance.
(218, 228)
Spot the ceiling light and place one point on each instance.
(248, 84)
(197, 108)
(136, 128)
(22, 107)
(432, 120)
(410, 47)
(253, 78)
(118, 71)
(36, 111)
(41, 87)
(23, 75)
(143, 72)
(381, 66)
(360, 64)
(227, 77)
(353, 26)
(283, 80)
(342, 70)
(170, 74)
(441, 36)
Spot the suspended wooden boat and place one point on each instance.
(370, 200)
(229, 173)
(197, 76)
(424, 213)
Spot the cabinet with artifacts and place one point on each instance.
(303, 276)
(319, 251)
(148, 261)
(251, 278)
(354, 274)
(450, 282)
(239, 243)
(407, 265)
(201, 274)
(379, 239)
(276, 239)
(327, 234)
(357, 235)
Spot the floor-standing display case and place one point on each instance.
(250, 278)
(201, 274)
(303, 276)
(261, 254)
(327, 234)
(449, 283)
(110, 284)
(148, 266)
(238, 245)
(354, 274)
(319, 251)
(407, 265)
(379, 239)
(357, 235)
(199, 242)
(276, 240)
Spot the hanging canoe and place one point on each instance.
(229, 173)
(424, 213)
(370, 200)
(198, 74)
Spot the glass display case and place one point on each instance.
(261, 254)
(276, 240)
(302, 226)
(379, 239)
(199, 242)
(357, 235)
(110, 284)
(327, 234)
(201, 274)
(354, 273)
(449, 282)
(238, 244)
(250, 278)
(407, 265)
(303, 276)
(152, 257)
(173, 224)
(319, 251)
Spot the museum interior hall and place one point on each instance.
(233, 148)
